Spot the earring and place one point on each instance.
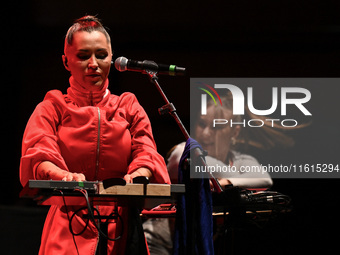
(233, 140)
(112, 62)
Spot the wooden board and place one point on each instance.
(137, 190)
(158, 190)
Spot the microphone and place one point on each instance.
(123, 64)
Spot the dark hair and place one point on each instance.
(87, 23)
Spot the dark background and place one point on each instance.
(211, 39)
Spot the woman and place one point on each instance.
(88, 134)
(220, 143)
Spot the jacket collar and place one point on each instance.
(84, 97)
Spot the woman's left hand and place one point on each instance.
(139, 172)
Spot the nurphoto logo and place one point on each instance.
(231, 117)
(239, 100)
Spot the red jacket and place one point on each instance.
(95, 133)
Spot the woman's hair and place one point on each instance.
(87, 23)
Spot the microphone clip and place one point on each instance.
(152, 75)
(165, 109)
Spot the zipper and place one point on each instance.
(98, 145)
(97, 166)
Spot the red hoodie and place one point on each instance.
(95, 133)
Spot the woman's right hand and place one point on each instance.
(49, 171)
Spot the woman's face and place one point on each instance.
(216, 140)
(89, 59)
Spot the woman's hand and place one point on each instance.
(49, 171)
(139, 172)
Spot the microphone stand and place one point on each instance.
(169, 108)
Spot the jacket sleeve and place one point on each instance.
(144, 150)
(40, 141)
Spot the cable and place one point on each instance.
(68, 217)
(71, 219)
(92, 218)
(271, 197)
